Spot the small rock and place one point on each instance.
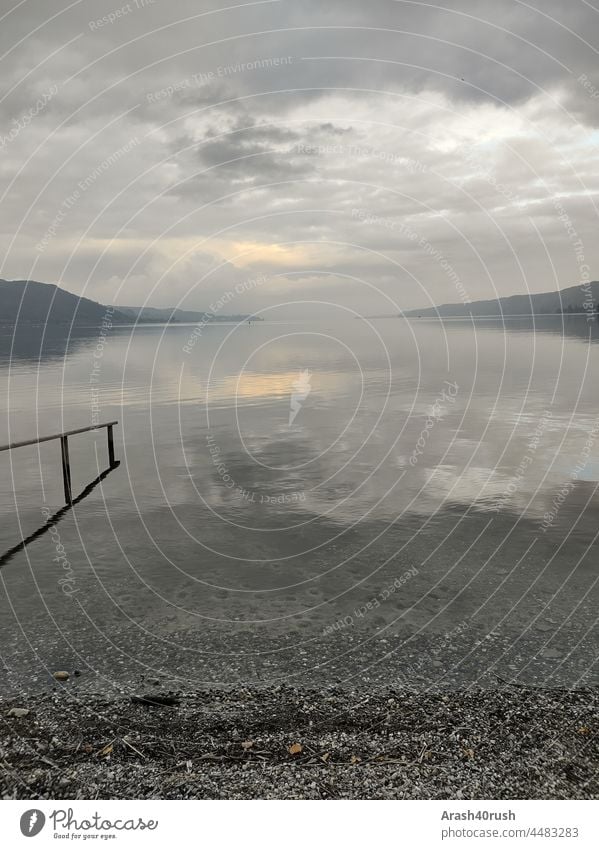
(61, 676)
(77, 673)
(19, 712)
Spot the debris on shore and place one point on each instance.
(292, 743)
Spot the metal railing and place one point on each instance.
(64, 450)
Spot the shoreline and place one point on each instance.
(296, 743)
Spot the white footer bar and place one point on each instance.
(301, 824)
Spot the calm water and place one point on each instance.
(407, 502)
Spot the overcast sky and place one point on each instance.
(374, 155)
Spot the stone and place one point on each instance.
(19, 712)
(61, 676)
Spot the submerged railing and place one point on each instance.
(64, 450)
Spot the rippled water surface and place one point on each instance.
(350, 500)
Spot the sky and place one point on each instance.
(296, 156)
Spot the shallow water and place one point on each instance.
(366, 501)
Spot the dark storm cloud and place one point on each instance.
(250, 153)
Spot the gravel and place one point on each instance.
(288, 743)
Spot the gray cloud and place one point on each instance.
(319, 143)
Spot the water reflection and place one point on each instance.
(437, 445)
(376, 432)
(37, 343)
(55, 518)
(573, 326)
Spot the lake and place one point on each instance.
(365, 502)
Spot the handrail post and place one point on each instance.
(64, 450)
(66, 469)
(111, 460)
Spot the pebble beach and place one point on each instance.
(280, 742)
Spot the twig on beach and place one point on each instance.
(131, 746)
(157, 700)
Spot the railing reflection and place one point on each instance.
(56, 517)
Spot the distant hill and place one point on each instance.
(568, 300)
(29, 302)
(174, 314)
